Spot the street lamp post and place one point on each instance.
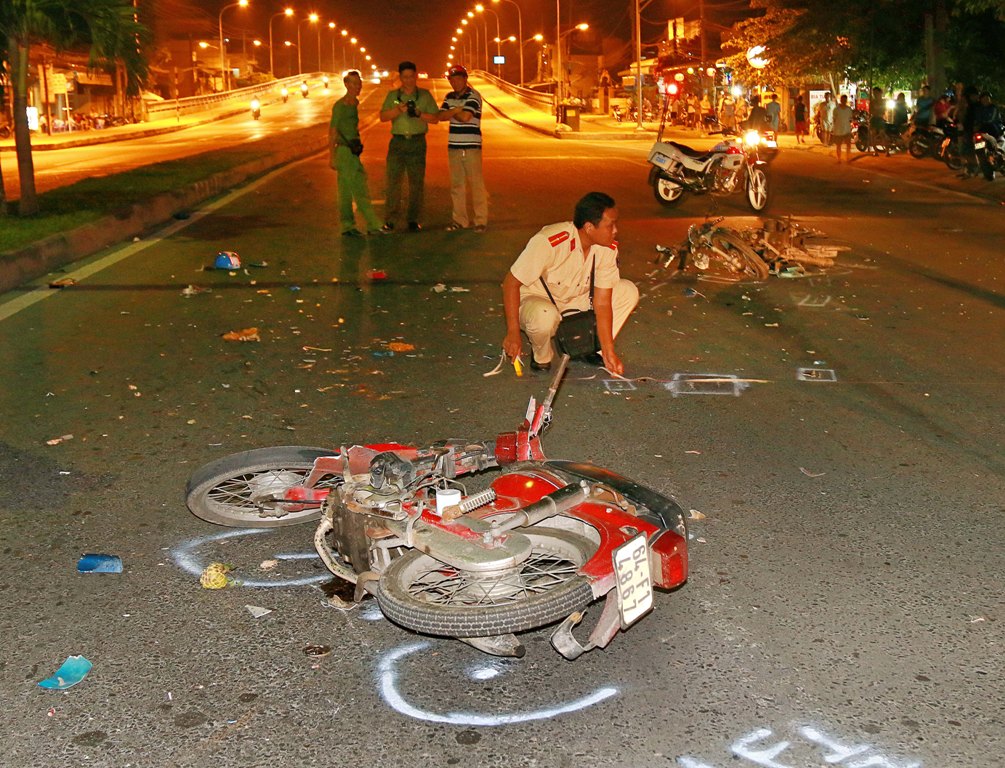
(272, 64)
(223, 57)
(320, 68)
(332, 27)
(519, 32)
(300, 61)
(560, 87)
(344, 33)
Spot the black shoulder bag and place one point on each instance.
(577, 332)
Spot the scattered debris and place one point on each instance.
(70, 672)
(811, 474)
(442, 288)
(58, 440)
(245, 334)
(317, 650)
(63, 282)
(400, 346)
(95, 563)
(378, 274)
(194, 290)
(257, 611)
(694, 514)
(215, 576)
(227, 260)
(268, 565)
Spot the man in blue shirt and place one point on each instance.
(463, 107)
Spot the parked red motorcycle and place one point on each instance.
(536, 546)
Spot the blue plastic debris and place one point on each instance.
(94, 563)
(72, 671)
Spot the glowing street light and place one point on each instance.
(287, 13)
(313, 18)
(223, 61)
(519, 30)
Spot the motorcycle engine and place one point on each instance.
(359, 509)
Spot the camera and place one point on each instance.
(411, 110)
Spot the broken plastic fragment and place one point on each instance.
(215, 576)
(245, 334)
(63, 282)
(71, 672)
(58, 440)
(257, 611)
(95, 563)
(400, 346)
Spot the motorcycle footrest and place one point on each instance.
(607, 627)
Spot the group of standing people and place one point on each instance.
(410, 110)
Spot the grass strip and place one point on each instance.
(88, 200)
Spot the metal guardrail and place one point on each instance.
(240, 96)
(528, 96)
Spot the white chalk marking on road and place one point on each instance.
(186, 558)
(706, 384)
(816, 374)
(387, 678)
(22, 302)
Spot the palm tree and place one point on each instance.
(108, 27)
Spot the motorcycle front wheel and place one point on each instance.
(729, 249)
(952, 157)
(862, 140)
(667, 192)
(235, 490)
(757, 188)
(423, 594)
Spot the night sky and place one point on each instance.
(393, 30)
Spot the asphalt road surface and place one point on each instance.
(845, 601)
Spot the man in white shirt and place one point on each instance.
(560, 260)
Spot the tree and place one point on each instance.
(107, 27)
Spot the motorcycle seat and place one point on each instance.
(694, 153)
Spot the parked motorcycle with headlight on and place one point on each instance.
(732, 165)
(535, 546)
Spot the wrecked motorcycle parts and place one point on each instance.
(536, 546)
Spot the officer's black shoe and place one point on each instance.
(414, 226)
(388, 227)
(536, 366)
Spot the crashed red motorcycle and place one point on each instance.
(535, 546)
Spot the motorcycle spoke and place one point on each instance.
(541, 572)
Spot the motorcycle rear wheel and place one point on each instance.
(729, 249)
(862, 140)
(918, 147)
(228, 491)
(756, 188)
(423, 594)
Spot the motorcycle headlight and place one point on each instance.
(751, 138)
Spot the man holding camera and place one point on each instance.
(410, 110)
(345, 148)
(569, 266)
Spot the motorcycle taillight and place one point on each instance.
(668, 560)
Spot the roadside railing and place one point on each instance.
(239, 97)
(532, 98)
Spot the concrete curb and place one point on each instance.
(572, 135)
(35, 260)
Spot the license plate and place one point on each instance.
(660, 159)
(635, 587)
(978, 145)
